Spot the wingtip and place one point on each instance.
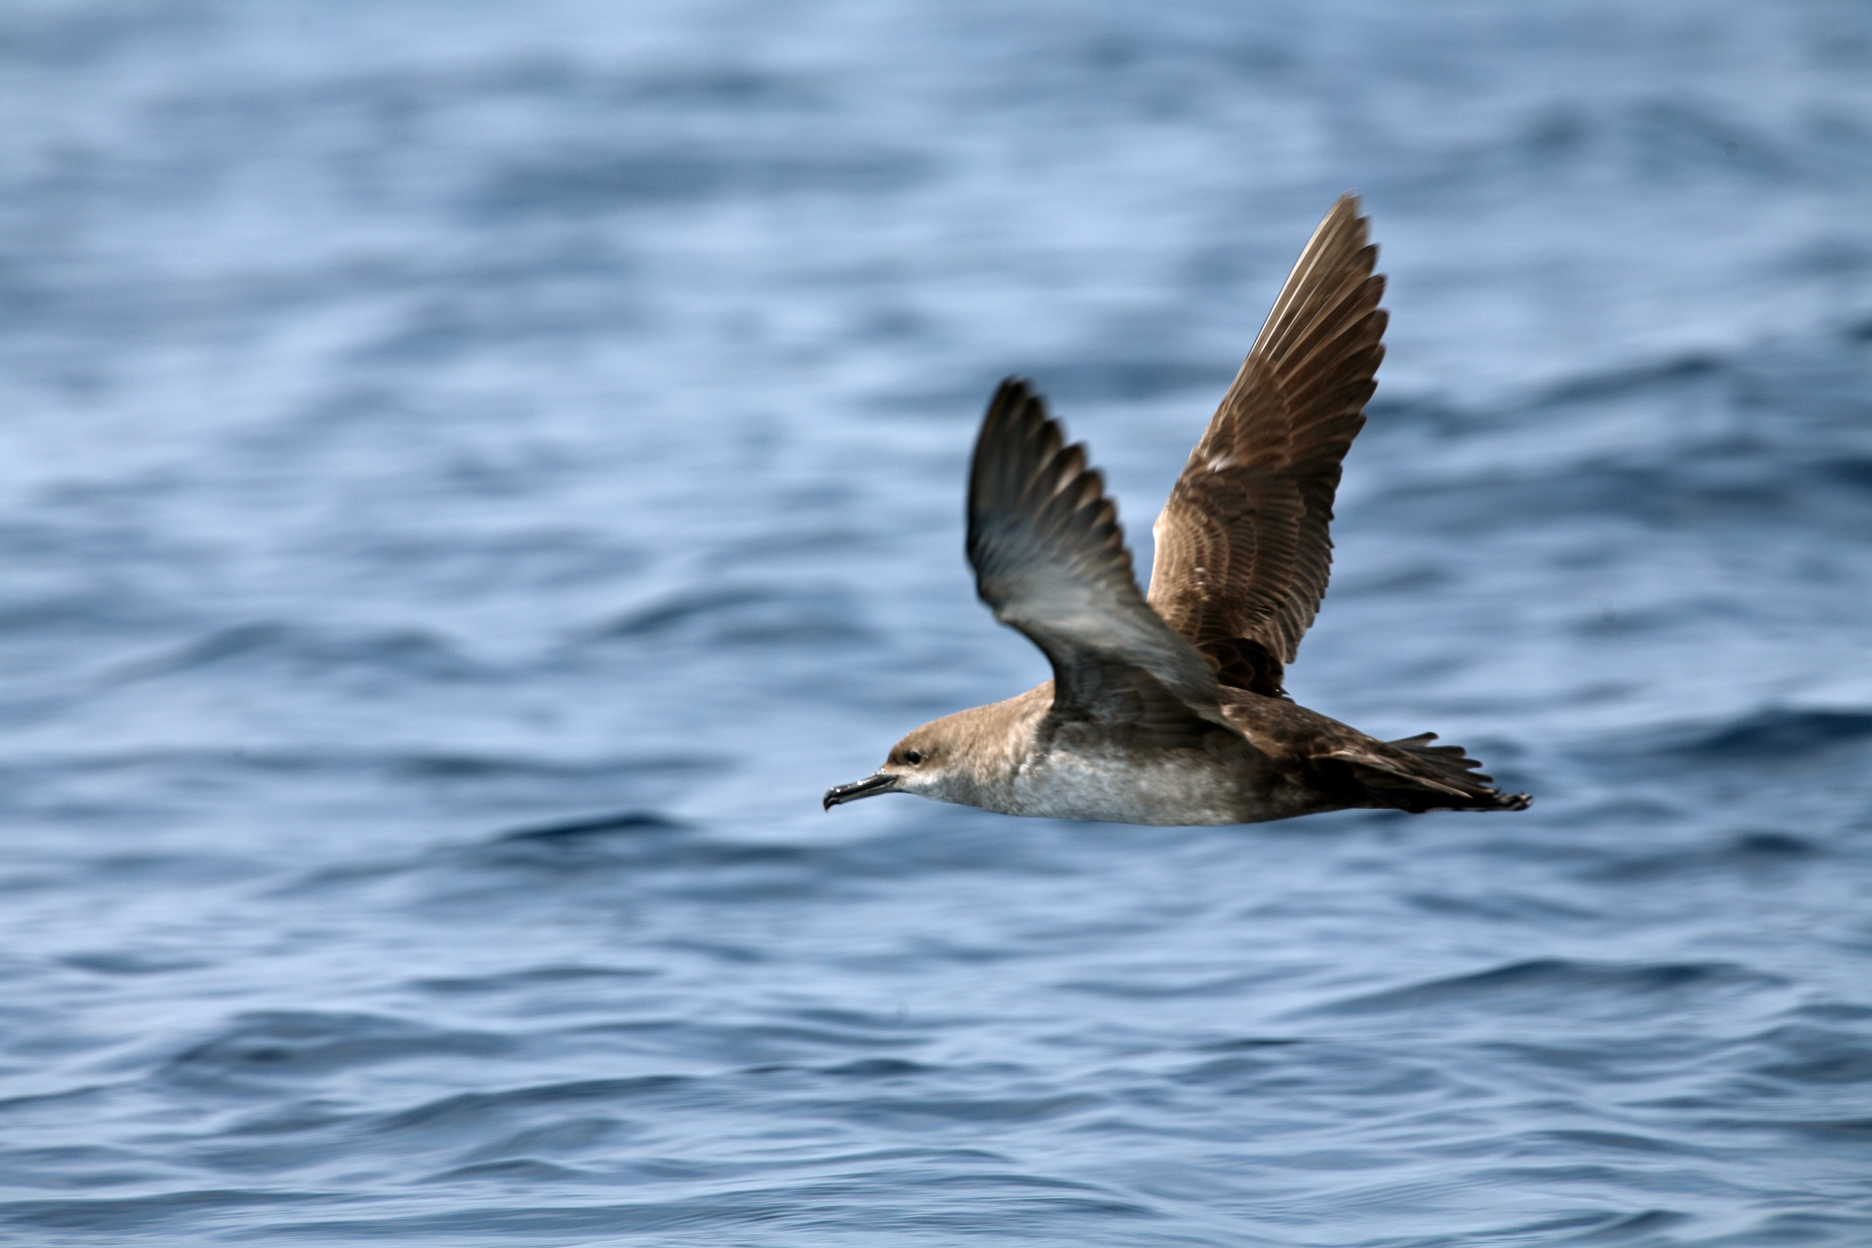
(1348, 213)
(1011, 385)
(1013, 397)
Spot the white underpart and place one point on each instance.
(1121, 787)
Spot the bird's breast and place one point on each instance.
(1164, 786)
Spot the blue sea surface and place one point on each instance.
(473, 474)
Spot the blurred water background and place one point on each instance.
(473, 474)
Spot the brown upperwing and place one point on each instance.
(1242, 546)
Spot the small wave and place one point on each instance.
(66, 614)
(1744, 851)
(913, 1111)
(1774, 734)
(1850, 1130)
(222, 644)
(1247, 1042)
(1616, 1227)
(1616, 1141)
(1158, 986)
(412, 651)
(1803, 1053)
(476, 985)
(588, 183)
(298, 1044)
(414, 764)
(513, 1170)
(600, 825)
(762, 1042)
(877, 1068)
(1544, 984)
(1852, 470)
(647, 853)
(1655, 143)
(866, 1206)
(469, 1115)
(135, 1213)
(1616, 383)
(745, 615)
(1713, 490)
(132, 962)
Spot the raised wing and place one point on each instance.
(1242, 547)
(1050, 560)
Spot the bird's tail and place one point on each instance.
(1417, 776)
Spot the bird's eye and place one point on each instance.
(913, 757)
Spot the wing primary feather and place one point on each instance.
(1050, 560)
(1243, 545)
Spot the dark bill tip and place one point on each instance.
(870, 786)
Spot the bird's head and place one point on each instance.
(923, 763)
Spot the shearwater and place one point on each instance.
(1168, 708)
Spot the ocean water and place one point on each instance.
(474, 474)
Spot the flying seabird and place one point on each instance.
(1168, 708)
